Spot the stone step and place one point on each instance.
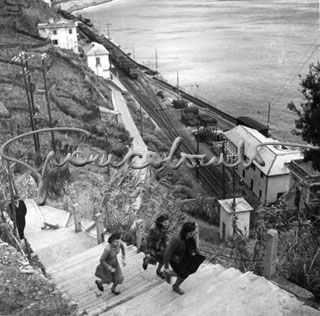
(162, 299)
(128, 292)
(54, 246)
(78, 273)
(71, 259)
(249, 295)
(89, 258)
(93, 254)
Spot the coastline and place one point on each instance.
(76, 5)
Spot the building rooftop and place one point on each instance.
(95, 49)
(241, 205)
(303, 168)
(61, 23)
(275, 156)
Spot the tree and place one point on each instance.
(308, 122)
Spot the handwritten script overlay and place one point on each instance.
(153, 159)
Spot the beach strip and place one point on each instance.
(76, 5)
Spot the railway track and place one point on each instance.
(143, 93)
(141, 90)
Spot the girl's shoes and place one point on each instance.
(167, 276)
(161, 274)
(99, 285)
(145, 264)
(115, 292)
(177, 289)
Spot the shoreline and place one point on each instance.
(76, 5)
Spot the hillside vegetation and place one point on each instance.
(75, 95)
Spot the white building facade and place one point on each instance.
(97, 57)
(270, 181)
(62, 33)
(239, 208)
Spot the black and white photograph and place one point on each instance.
(159, 157)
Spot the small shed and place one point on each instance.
(97, 57)
(242, 211)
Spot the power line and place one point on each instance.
(295, 73)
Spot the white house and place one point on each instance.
(267, 182)
(62, 33)
(97, 57)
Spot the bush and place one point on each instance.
(119, 150)
(57, 179)
(155, 144)
(300, 262)
(175, 177)
(182, 192)
(203, 208)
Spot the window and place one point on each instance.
(261, 174)
(251, 184)
(98, 61)
(243, 173)
(260, 194)
(54, 32)
(279, 195)
(70, 31)
(55, 42)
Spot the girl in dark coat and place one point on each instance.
(183, 255)
(156, 243)
(20, 210)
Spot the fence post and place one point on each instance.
(98, 218)
(270, 260)
(140, 233)
(196, 236)
(76, 218)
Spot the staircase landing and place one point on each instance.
(71, 258)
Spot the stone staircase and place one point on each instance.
(70, 260)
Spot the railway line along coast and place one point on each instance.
(144, 84)
(122, 149)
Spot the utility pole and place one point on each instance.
(43, 58)
(141, 122)
(268, 124)
(178, 88)
(31, 86)
(108, 28)
(234, 212)
(223, 172)
(97, 64)
(21, 59)
(13, 206)
(198, 129)
(156, 61)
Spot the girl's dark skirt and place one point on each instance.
(188, 265)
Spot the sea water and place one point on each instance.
(240, 55)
